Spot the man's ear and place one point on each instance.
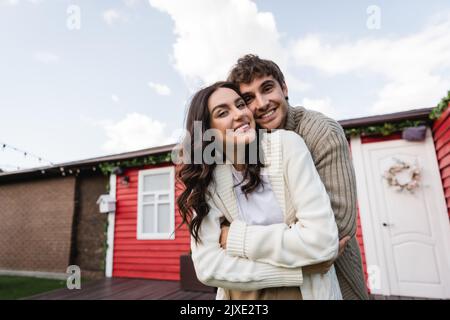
(285, 90)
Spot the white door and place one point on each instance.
(406, 235)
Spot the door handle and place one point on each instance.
(387, 224)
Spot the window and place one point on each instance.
(156, 208)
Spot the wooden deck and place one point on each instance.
(125, 289)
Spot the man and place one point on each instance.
(265, 91)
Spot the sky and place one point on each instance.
(81, 79)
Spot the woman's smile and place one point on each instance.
(243, 128)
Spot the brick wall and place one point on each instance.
(36, 224)
(89, 231)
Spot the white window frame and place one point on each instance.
(171, 193)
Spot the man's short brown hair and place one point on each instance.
(251, 66)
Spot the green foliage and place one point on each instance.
(390, 128)
(383, 129)
(105, 246)
(108, 167)
(440, 108)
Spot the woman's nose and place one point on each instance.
(238, 114)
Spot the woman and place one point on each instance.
(278, 209)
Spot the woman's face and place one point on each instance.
(231, 117)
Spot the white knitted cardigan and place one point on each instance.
(260, 257)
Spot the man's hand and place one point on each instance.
(224, 236)
(342, 244)
(323, 267)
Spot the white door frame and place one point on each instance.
(110, 233)
(375, 254)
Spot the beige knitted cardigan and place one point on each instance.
(330, 151)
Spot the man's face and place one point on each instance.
(266, 99)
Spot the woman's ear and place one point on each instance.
(285, 91)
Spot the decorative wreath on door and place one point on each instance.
(400, 166)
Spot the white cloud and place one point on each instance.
(112, 16)
(45, 57)
(415, 67)
(115, 98)
(16, 2)
(134, 132)
(212, 35)
(160, 89)
(9, 2)
(131, 3)
(322, 105)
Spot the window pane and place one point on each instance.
(156, 182)
(164, 217)
(149, 198)
(148, 214)
(163, 197)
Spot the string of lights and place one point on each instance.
(5, 146)
(63, 171)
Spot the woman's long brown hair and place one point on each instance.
(196, 178)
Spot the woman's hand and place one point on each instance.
(224, 236)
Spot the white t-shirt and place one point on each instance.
(261, 207)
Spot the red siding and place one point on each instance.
(441, 134)
(359, 237)
(379, 138)
(442, 141)
(359, 232)
(151, 259)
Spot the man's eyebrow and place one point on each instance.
(269, 81)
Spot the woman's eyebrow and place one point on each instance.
(222, 105)
(236, 102)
